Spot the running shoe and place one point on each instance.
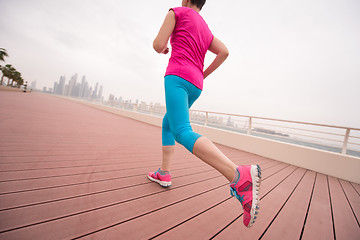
(163, 180)
(246, 190)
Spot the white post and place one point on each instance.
(250, 125)
(346, 139)
(206, 120)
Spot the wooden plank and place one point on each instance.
(110, 156)
(216, 217)
(211, 222)
(51, 182)
(353, 198)
(22, 212)
(269, 164)
(357, 187)
(75, 225)
(172, 215)
(206, 225)
(57, 194)
(165, 218)
(289, 223)
(270, 205)
(40, 147)
(59, 182)
(22, 199)
(273, 170)
(18, 153)
(16, 176)
(46, 166)
(38, 213)
(53, 172)
(63, 161)
(127, 161)
(78, 160)
(319, 220)
(346, 226)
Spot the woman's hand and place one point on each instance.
(165, 50)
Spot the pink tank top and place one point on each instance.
(189, 41)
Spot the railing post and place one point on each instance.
(346, 140)
(206, 119)
(250, 125)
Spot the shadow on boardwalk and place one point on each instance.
(71, 171)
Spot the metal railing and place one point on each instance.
(323, 136)
(344, 140)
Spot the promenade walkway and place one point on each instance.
(69, 171)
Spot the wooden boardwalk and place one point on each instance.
(69, 171)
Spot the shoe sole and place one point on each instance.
(256, 180)
(162, 183)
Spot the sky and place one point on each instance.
(289, 59)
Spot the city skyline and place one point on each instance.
(84, 90)
(76, 89)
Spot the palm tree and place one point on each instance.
(3, 54)
(18, 79)
(11, 75)
(5, 71)
(8, 71)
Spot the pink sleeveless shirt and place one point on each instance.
(190, 41)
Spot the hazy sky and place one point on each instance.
(289, 59)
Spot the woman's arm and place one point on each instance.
(161, 40)
(221, 52)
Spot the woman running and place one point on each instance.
(190, 39)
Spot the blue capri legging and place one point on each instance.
(180, 95)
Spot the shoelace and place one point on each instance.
(235, 194)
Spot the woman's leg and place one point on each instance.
(180, 95)
(244, 180)
(209, 153)
(168, 143)
(168, 140)
(167, 156)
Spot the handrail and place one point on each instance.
(345, 140)
(279, 120)
(206, 119)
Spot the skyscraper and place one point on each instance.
(72, 86)
(100, 92)
(56, 86)
(33, 85)
(94, 95)
(82, 87)
(60, 88)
